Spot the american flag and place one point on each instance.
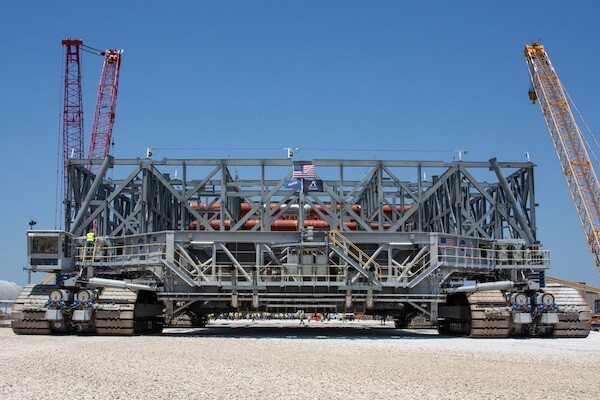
(303, 171)
(447, 241)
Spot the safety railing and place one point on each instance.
(303, 273)
(354, 252)
(456, 256)
(124, 255)
(466, 256)
(119, 253)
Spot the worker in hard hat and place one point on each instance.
(90, 237)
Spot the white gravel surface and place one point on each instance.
(281, 360)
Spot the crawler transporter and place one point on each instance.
(175, 239)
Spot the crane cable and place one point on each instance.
(591, 134)
(92, 50)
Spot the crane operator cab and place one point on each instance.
(49, 251)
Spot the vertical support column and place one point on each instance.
(170, 247)
(341, 195)
(391, 266)
(370, 301)
(434, 249)
(223, 195)
(532, 205)
(214, 263)
(348, 300)
(301, 201)
(105, 221)
(258, 264)
(497, 214)
(458, 199)
(433, 311)
(380, 196)
(183, 225)
(234, 294)
(143, 215)
(68, 193)
(264, 209)
(419, 197)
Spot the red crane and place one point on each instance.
(72, 106)
(104, 115)
(106, 102)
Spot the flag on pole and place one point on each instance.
(292, 184)
(303, 171)
(312, 185)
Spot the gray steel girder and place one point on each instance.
(143, 196)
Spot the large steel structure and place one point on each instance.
(455, 241)
(569, 143)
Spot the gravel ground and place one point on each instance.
(275, 360)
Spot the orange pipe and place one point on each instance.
(283, 225)
(246, 207)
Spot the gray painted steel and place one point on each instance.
(144, 196)
(381, 236)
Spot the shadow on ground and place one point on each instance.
(311, 330)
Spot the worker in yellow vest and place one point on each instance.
(89, 242)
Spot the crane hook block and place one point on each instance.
(532, 96)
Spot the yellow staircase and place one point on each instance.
(362, 259)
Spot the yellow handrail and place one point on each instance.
(358, 256)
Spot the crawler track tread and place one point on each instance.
(29, 310)
(483, 315)
(490, 316)
(571, 308)
(115, 312)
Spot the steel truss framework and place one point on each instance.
(207, 196)
(106, 102)
(369, 236)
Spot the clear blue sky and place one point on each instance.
(309, 74)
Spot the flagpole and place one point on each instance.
(301, 208)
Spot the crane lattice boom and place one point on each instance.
(569, 144)
(106, 102)
(72, 104)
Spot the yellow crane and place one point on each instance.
(568, 142)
